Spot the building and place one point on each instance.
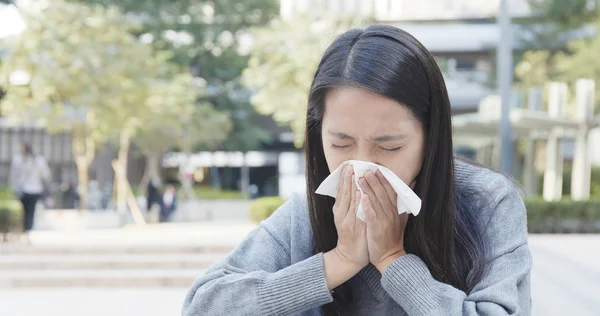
(462, 33)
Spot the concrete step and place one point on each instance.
(110, 261)
(94, 278)
(152, 256)
(7, 249)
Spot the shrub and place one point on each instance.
(6, 194)
(262, 208)
(10, 216)
(209, 193)
(563, 216)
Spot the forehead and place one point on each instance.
(357, 108)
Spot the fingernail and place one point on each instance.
(357, 194)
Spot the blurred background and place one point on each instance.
(169, 129)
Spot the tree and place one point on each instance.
(567, 14)
(534, 69)
(282, 64)
(176, 119)
(209, 37)
(578, 21)
(76, 69)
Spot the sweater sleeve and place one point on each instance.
(257, 277)
(505, 287)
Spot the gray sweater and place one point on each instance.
(275, 272)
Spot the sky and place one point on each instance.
(10, 21)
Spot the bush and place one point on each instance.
(263, 207)
(209, 193)
(6, 194)
(565, 216)
(10, 216)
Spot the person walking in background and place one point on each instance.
(29, 176)
(169, 203)
(154, 195)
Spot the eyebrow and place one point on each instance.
(389, 138)
(383, 138)
(340, 135)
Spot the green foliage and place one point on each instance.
(6, 194)
(563, 216)
(209, 193)
(10, 212)
(81, 69)
(534, 69)
(565, 52)
(210, 37)
(284, 57)
(567, 14)
(554, 21)
(175, 118)
(263, 207)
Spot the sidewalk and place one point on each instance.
(213, 233)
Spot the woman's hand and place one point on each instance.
(352, 238)
(385, 228)
(351, 254)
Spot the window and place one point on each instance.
(465, 64)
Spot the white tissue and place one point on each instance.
(408, 201)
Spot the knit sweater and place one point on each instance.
(274, 270)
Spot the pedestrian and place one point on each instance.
(154, 193)
(29, 179)
(378, 97)
(253, 191)
(169, 203)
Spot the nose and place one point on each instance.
(364, 153)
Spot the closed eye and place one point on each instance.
(391, 149)
(334, 146)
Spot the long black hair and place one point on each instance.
(392, 63)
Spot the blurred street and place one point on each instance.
(146, 271)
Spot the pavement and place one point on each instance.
(213, 233)
(565, 277)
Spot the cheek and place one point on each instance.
(408, 164)
(334, 157)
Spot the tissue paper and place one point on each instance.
(408, 201)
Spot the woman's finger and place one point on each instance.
(381, 194)
(354, 202)
(347, 195)
(392, 195)
(370, 214)
(375, 204)
(341, 203)
(340, 190)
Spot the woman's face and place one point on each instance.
(362, 125)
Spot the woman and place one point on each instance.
(29, 176)
(379, 96)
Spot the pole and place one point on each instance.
(505, 74)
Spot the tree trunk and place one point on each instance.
(83, 148)
(186, 182)
(83, 167)
(124, 144)
(152, 170)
